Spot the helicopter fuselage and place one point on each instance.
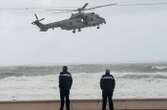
(75, 22)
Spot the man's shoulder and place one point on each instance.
(107, 77)
(66, 74)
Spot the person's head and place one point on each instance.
(107, 72)
(65, 68)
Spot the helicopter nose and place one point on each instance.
(103, 21)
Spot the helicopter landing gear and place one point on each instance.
(79, 30)
(73, 31)
(98, 27)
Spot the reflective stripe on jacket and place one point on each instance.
(107, 83)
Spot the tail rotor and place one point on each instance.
(37, 19)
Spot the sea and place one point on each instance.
(133, 80)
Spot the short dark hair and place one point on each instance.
(107, 71)
(65, 68)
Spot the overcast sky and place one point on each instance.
(132, 34)
(67, 3)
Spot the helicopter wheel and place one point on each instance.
(74, 31)
(79, 30)
(98, 27)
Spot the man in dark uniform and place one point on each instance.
(107, 85)
(65, 83)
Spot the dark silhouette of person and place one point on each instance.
(65, 83)
(107, 85)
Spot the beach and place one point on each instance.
(119, 104)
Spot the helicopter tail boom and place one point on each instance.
(39, 24)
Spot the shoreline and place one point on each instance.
(87, 104)
(76, 100)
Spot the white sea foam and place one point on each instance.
(159, 67)
(85, 86)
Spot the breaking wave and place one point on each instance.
(159, 67)
(137, 69)
(143, 76)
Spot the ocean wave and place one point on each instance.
(5, 75)
(121, 69)
(46, 87)
(143, 76)
(159, 67)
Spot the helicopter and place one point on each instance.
(77, 21)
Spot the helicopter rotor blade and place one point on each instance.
(41, 19)
(70, 10)
(36, 16)
(61, 10)
(100, 6)
(85, 5)
(80, 9)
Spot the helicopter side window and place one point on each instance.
(82, 20)
(78, 21)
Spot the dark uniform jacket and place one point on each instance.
(65, 81)
(107, 83)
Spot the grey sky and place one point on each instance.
(132, 34)
(61, 3)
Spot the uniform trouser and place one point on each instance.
(64, 95)
(107, 95)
